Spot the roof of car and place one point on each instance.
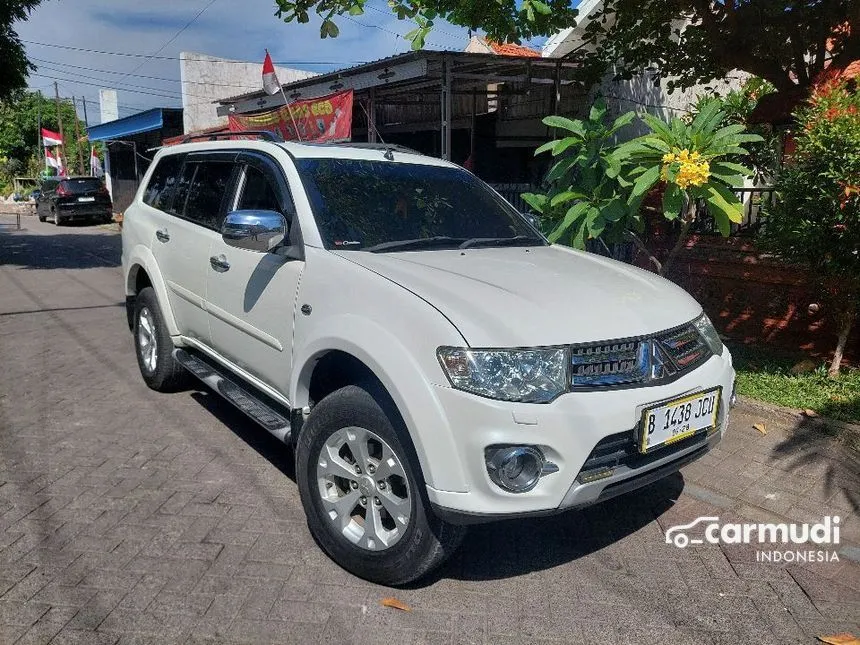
(300, 150)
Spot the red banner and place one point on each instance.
(328, 118)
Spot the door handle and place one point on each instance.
(219, 263)
(162, 235)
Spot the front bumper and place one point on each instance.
(578, 432)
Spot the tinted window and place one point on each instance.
(82, 185)
(162, 183)
(49, 184)
(360, 204)
(206, 192)
(259, 192)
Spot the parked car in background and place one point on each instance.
(65, 199)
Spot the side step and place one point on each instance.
(237, 393)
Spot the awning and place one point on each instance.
(142, 122)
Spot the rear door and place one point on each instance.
(195, 203)
(252, 302)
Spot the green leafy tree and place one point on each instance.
(586, 196)
(816, 220)
(597, 189)
(764, 156)
(15, 66)
(504, 20)
(19, 127)
(786, 42)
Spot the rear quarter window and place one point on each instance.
(162, 183)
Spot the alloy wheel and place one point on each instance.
(363, 488)
(147, 341)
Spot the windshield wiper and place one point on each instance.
(517, 240)
(417, 243)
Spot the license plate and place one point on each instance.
(86, 199)
(674, 420)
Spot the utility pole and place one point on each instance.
(60, 123)
(39, 150)
(86, 120)
(78, 138)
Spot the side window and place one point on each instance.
(259, 192)
(180, 195)
(206, 192)
(162, 183)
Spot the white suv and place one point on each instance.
(433, 361)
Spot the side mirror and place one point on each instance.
(254, 230)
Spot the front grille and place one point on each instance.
(640, 361)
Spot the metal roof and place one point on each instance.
(485, 63)
(135, 124)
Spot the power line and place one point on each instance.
(153, 78)
(191, 58)
(174, 37)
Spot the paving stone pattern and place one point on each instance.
(128, 516)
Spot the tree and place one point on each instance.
(607, 184)
(19, 127)
(816, 220)
(502, 20)
(785, 42)
(15, 67)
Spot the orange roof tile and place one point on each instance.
(509, 49)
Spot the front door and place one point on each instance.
(251, 296)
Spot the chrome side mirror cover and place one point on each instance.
(254, 230)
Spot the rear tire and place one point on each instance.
(154, 347)
(390, 548)
(58, 221)
(42, 218)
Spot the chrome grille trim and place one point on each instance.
(651, 360)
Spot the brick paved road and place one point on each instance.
(134, 517)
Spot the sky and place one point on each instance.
(225, 28)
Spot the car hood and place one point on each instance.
(553, 295)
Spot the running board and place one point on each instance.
(241, 396)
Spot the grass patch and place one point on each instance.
(765, 374)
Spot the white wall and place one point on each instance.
(206, 79)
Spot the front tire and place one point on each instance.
(363, 493)
(153, 345)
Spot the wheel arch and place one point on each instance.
(340, 359)
(143, 272)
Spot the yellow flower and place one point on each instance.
(692, 170)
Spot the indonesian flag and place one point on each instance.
(96, 169)
(51, 139)
(61, 168)
(51, 160)
(270, 79)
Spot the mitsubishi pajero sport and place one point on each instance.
(432, 360)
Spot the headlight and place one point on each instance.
(526, 375)
(706, 330)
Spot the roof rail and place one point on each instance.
(383, 147)
(267, 135)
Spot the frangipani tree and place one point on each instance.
(696, 162)
(596, 189)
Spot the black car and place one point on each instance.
(63, 199)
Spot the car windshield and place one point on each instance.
(82, 185)
(381, 206)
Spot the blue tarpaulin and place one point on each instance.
(142, 122)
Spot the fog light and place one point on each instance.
(514, 468)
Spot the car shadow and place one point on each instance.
(60, 250)
(500, 549)
(271, 449)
